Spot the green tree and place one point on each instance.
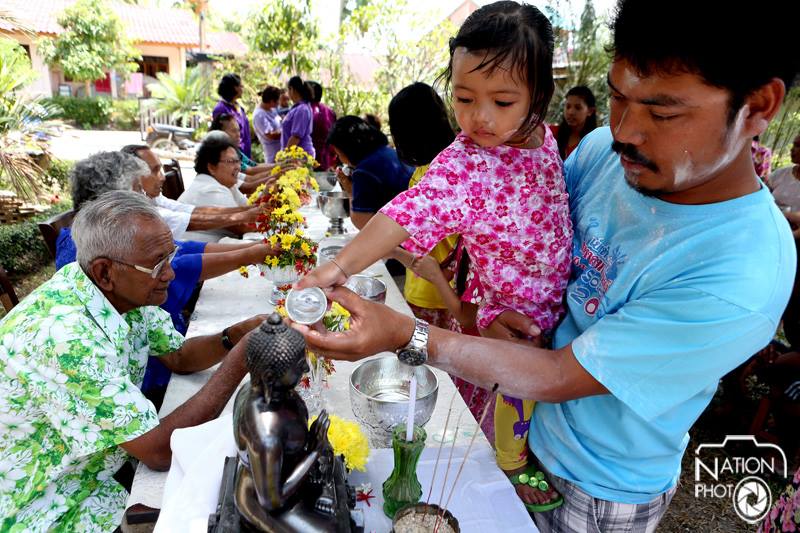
(21, 116)
(580, 56)
(93, 42)
(783, 129)
(419, 54)
(286, 31)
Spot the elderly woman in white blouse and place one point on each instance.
(217, 164)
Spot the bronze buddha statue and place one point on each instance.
(286, 477)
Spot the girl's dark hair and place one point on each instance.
(316, 88)
(715, 52)
(217, 123)
(306, 93)
(210, 151)
(270, 94)
(509, 33)
(585, 94)
(355, 138)
(227, 86)
(419, 124)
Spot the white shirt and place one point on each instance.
(205, 190)
(175, 214)
(785, 187)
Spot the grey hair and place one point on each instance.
(103, 172)
(106, 227)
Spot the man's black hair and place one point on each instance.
(355, 138)
(724, 44)
(419, 124)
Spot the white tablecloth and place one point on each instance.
(231, 298)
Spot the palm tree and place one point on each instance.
(183, 97)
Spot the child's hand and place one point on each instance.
(327, 275)
(512, 326)
(426, 267)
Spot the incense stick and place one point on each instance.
(441, 445)
(450, 459)
(463, 461)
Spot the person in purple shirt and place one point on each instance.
(229, 91)
(297, 125)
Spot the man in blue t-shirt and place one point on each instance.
(682, 266)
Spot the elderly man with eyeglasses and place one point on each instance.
(72, 359)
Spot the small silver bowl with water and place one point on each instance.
(326, 180)
(379, 396)
(368, 287)
(329, 252)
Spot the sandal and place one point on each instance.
(536, 479)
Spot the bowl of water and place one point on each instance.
(368, 287)
(379, 389)
(326, 180)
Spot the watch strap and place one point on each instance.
(226, 340)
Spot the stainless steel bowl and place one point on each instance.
(379, 396)
(328, 253)
(326, 180)
(334, 204)
(367, 287)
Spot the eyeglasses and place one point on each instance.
(156, 270)
(231, 161)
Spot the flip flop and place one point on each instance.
(536, 479)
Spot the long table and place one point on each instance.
(231, 298)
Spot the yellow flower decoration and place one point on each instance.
(348, 439)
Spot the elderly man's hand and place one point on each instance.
(248, 216)
(237, 331)
(513, 326)
(368, 333)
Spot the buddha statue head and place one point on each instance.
(276, 355)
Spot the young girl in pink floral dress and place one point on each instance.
(499, 185)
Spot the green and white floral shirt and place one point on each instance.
(70, 371)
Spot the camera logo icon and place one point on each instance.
(752, 499)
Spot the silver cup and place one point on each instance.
(379, 396)
(367, 287)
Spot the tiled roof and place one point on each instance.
(142, 24)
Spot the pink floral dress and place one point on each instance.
(511, 207)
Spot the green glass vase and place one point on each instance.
(402, 487)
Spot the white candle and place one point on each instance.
(412, 400)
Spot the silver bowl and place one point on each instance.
(329, 252)
(367, 287)
(326, 180)
(379, 396)
(334, 204)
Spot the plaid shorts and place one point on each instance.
(582, 513)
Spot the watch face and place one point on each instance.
(412, 357)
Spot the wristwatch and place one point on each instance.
(415, 352)
(226, 340)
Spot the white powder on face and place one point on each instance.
(686, 169)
